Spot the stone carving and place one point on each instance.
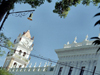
(86, 38)
(85, 42)
(68, 43)
(75, 40)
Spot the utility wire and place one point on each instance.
(56, 62)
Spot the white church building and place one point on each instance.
(74, 59)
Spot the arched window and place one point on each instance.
(20, 39)
(24, 53)
(15, 41)
(20, 52)
(14, 51)
(20, 66)
(14, 65)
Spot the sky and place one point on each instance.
(49, 30)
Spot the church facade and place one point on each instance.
(74, 59)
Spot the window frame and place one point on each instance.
(70, 70)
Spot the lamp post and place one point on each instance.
(6, 16)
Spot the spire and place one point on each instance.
(30, 65)
(35, 64)
(45, 64)
(27, 34)
(40, 64)
(32, 38)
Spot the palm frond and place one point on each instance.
(97, 50)
(96, 42)
(98, 7)
(98, 14)
(98, 22)
(94, 38)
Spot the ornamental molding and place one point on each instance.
(84, 57)
(84, 63)
(76, 49)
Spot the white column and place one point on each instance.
(66, 69)
(49, 66)
(63, 70)
(74, 69)
(86, 68)
(97, 71)
(90, 68)
(56, 69)
(78, 68)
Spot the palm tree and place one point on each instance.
(96, 42)
(97, 39)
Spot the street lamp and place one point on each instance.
(6, 16)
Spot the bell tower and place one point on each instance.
(19, 56)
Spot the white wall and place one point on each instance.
(33, 73)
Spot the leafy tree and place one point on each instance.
(4, 72)
(63, 7)
(96, 42)
(6, 5)
(6, 43)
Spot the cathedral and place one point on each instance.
(74, 59)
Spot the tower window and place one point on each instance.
(20, 66)
(82, 70)
(15, 64)
(20, 39)
(15, 41)
(14, 51)
(24, 54)
(20, 52)
(70, 71)
(60, 70)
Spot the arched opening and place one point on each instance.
(14, 65)
(14, 50)
(20, 52)
(24, 53)
(20, 66)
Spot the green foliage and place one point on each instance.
(6, 43)
(4, 72)
(63, 5)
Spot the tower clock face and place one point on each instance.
(26, 43)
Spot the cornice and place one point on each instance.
(87, 57)
(77, 48)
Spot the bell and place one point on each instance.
(30, 16)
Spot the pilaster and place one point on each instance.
(90, 70)
(74, 69)
(97, 71)
(86, 68)
(66, 69)
(78, 68)
(56, 69)
(63, 70)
